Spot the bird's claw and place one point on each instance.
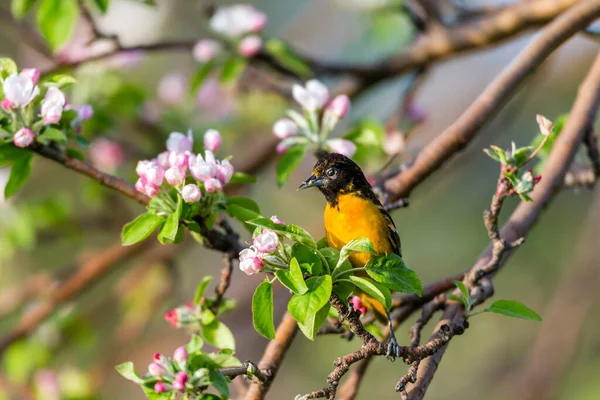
(393, 350)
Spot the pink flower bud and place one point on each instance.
(181, 376)
(282, 148)
(339, 106)
(172, 318)
(160, 387)
(151, 190)
(277, 220)
(32, 73)
(237, 20)
(259, 21)
(180, 355)
(266, 242)
(24, 137)
(140, 185)
(175, 176)
(206, 50)
(154, 175)
(106, 155)
(393, 143)
(85, 112)
(7, 104)
(52, 105)
(202, 170)
(546, 126)
(20, 89)
(163, 160)
(224, 172)
(250, 45)
(342, 146)
(250, 261)
(179, 142)
(212, 140)
(179, 386)
(312, 96)
(191, 193)
(157, 357)
(355, 302)
(285, 128)
(142, 166)
(172, 88)
(213, 185)
(156, 369)
(179, 160)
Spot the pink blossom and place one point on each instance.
(181, 376)
(85, 112)
(282, 148)
(191, 193)
(206, 50)
(151, 190)
(142, 167)
(313, 96)
(250, 45)
(163, 159)
(157, 357)
(20, 89)
(212, 140)
(250, 261)
(202, 170)
(172, 88)
(180, 355)
(47, 382)
(160, 387)
(358, 305)
(277, 220)
(172, 318)
(178, 386)
(339, 106)
(156, 369)
(140, 185)
(32, 73)
(179, 142)
(342, 146)
(175, 176)
(179, 160)
(285, 128)
(237, 20)
(224, 172)
(106, 155)
(24, 137)
(154, 175)
(52, 105)
(213, 185)
(7, 104)
(266, 242)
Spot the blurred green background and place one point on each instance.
(61, 218)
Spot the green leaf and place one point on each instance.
(242, 177)
(20, 7)
(201, 288)
(243, 215)
(102, 5)
(127, 370)
(391, 271)
(310, 327)
(362, 245)
(219, 382)
(293, 278)
(201, 75)
(225, 358)
(60, 81)
(291, 231)
(140, 228)
(56, 20)
(304, 306)
(9, 154)
(168, 232)
(74, 153)
(7, 67)
(322, 243)
(289, 162)
(375, 331)
(232, 69)
(373, 289)
(52, 135)
(195, 344)
(218, 335)
(19, 173)
(308, 259)
(463, 290)
(513, 308)
(281, 52)
(262, 310)
(245, 202)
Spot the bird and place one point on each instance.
(353, 211)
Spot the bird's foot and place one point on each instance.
(393, 348)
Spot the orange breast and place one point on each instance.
(353, 218)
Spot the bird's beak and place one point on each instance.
(312, 181)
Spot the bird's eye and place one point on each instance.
(331, 172)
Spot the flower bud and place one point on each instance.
(339, 106)
(151, 190)
(213, 185)
(266, 242)
(282, 148)
(175, 176)
(154, 175)
(277, 220)
(212, 140)
(7, 104)
(311, 97)
(250, 45)
(342, 146)
(52, 105)
(237, 20)
(181, 376)
(24, 137)
(172, 318)
(546, 126)
(156, 369)
(393, 143)
(178, 386)
(224, 172)
(285, 128)
(163, 160)
(140, 185)
(85, 112)
(179, 142)
(20, 89)
(191, 193)
(206, 50)
(160, 387)
(157, 357)
(142, 166)
(250, 261)
(180, 355)
(202, 170)
(179, 160)
(358, 305)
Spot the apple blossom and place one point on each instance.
(175, 176)
(312, 96)
(179, 142)
(213, 185)
(191, 193)
(24, 137)
(212, 140)
(266, 242)
(277, 220)
(156, 369)
(52, 105)
(160, 387)
(20, 89)
(206, 50)
(180, 355)
(250, 45)
(250, 261)
(339, 106)
(172, 88)
(106, 154)
(285, 128)
(224, 172)
(237, 20)
(342, 146)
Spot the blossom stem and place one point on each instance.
(346, 272)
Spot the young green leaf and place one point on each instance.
(61, 81)
(127, 370)
(20, 7)
(373, 289)
(262, 310)
(219, 382)
(361, 245)
(7, 67)
(218, 335)
(10, 154)
(242, 177)
(19, 174)
(305, 306)
(291, 231)
(289, 162)
(195, 344)
(242, 214)
(201, 75)
(102, 5)
(245, 202)
(391, 271)
(168, 232)
(56, 20)
(201, 288)
(463, 290)
(52, 135)
(513, 308)
(287, 57)
(308, 259)
(140, 228)
(293, 278)
(322, 243)
(232, 69)
(310, 327)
